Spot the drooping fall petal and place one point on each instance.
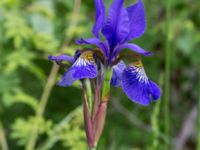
(61, 58)
(117, 74)
(84, 67)
(138, 87)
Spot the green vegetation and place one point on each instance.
(35, 114)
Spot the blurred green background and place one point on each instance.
(35, 114)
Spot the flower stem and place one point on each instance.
(89, 95)
(93, 148)
(167, 71)
(106, 84)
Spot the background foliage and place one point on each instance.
(33, 29)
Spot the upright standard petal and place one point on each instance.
(117, 27)
(100, 17)
(84, 67)
(138, 87)
(137, 19)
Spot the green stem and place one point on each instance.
(93, 148)
(155, 121)
(89, 94)
(167, 71)
(198, 116)
(3, 141)
(42, 106)
(106, 84)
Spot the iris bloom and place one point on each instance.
(118, 28)
(104, 65)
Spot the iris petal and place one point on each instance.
(95, 41)
(137, 19)
(138, 87)
(116, 28)
(132, 47)
(100, 17)
(155, 90)
(117, 74)
(67, 78)
(84, 67)
(61, 58)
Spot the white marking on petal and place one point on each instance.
(141, 75)
(85, 59)
(81, 62)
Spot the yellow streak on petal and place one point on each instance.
(88, 55)
(138, 63)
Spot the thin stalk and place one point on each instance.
(155, 121)
(97, 99)
(89, 94)
(3, 141)
(93, 148)
(167, 72)
(87, 119)
(106, 84)
(198, 116)
(155, 126)
(52, 76)
(42, 106)
(97, 95)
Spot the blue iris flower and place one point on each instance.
(112, 34)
